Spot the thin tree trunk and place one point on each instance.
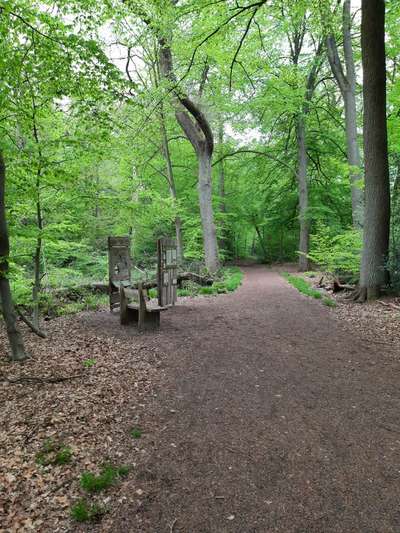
(18, 352)
(39, 221)
(302, 179)
(377, 190)
(347, 85)
(261, 240)
(171, 185)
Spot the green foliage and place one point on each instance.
(336, 253)
(302, 286)
(136, 433)
(83, 511)
(153, 293)
(108, 476)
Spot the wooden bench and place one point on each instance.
(138, 311)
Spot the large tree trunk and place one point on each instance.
(347, 85)
(198, 131)
(206, 212)
(14, 336)
(377, 191)
(302, 179)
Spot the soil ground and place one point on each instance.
(270, 417)
(260, 413)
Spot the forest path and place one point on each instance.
(269, 417)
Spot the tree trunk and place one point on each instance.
(198, 131)
(171, 185)
(347, 84)
(221, 184)
(206, 212)
(14, 336)
(261, 241)
(302, 179)
(353, 150)
(377, 191)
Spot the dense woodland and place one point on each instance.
(243, 129)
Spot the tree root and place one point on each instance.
(30, 325)
(33, 379)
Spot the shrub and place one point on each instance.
(337, 254)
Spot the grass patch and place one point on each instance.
(208, 290)
(54, 453)
(107, 477)
(233, 277)
(302, 286)
(136, 433)
(183, 292)
(83, 511)
(329, 302)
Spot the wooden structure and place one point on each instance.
(138, 311)
(167, 272)
(119, 267)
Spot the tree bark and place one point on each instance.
(18, 352)
(377, 191)
(347, 85)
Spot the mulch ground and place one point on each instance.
(261, 411)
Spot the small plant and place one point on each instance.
(136, 433)
(63, 456)
(107, 477)
(88, 363)
(83, 511)
(329, 302)
(53, 453)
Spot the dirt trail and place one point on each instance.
(269, 417)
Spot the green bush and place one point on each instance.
(337, 254)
